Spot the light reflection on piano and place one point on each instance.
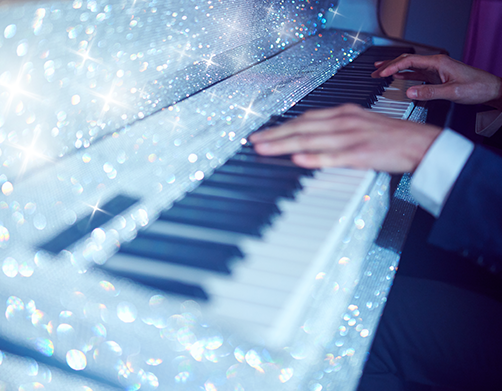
(112, 173)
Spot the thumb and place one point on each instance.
(431, 91)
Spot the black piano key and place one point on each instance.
(281, 160)
(334, 85)
(234, 194)
(248, 211)
(366, 78)
(257, 159)
(331, 96)
(187, 252)
(273, 175)
(360, 76)
(340, 101)
(353, 73)
(275, 123)
(377, 89)
(328, 102)
(344, 91)
(282, 186)
(258, 192)
(264, 172)
(230, 205)
(292, 115)
(164, 284)
(244, 161)
(83, 227)
(311, 105)
(251, 151)
(300, 108)
(356, 83)
(365, 67)
(216, 219)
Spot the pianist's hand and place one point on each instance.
(349, 136)
(448, 79)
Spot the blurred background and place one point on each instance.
(469, 30)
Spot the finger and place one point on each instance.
(379, 64)
(431, 92)
(406, 61)
(289, 129)
(306, 143)
(338, 159)
(355, 157)
(284, 130)
(312, 121)
(383, 69)
(416, 76)
(333, 112)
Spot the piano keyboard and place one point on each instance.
(252, 237)
(128, 116)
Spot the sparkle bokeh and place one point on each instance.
(146, 99)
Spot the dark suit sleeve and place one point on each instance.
(470, 223)
(494, 141)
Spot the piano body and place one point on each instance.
(123, 128)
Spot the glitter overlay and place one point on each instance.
(145, 100)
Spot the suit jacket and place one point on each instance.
(470, 223)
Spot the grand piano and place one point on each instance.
(144, 244)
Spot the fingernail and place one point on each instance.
(299, 158)
(412, 93)
(377, 63)
(262, 147)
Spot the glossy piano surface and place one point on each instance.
(108, 121)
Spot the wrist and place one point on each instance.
(425, 136)
(497, 101)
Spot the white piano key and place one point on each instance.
(379, 106)
(275, 257)
(329, 183)
(244, 311)
(333, 178)
(345, 172)
(285, 235)
(308, 221)
(328, 193)
(312, 199)
(246, 293)
(190, 231)
(265, 279)
(309, 206)
(388, 103)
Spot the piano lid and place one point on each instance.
(74, 71)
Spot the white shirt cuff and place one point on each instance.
(488, 122)
(435, 176)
